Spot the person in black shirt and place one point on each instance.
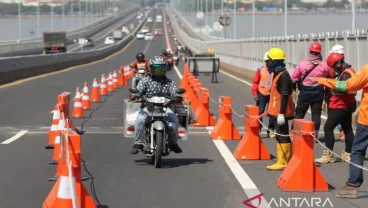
(280, 106)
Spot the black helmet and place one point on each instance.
(140, 57)
(158, 66)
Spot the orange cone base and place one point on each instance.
(55, 200)
(78, 116)
(296, 178)
(251, 149)
(204, 118)
(225, 130)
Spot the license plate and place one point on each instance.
(159, 114)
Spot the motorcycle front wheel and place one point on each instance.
(158, 151)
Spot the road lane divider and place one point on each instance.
(251, 146)
(301, 173)
(225, 128)
(15, 137)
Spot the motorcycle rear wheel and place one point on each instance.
(158, 151)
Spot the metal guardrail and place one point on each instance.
(36, 45)
(248, 53)
(14, 68)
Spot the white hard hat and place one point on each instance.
(337, 49)
(265, 57)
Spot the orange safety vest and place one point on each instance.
(265, 82)
(351, 73)
(275, 100)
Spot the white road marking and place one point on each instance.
(243, 178)
(15, 137)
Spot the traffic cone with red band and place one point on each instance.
(53, 132)
(110, 84)
(103, 86)
(115, 80)
(95, 96)
(86, 102)
(78, 108)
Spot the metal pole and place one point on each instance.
(38, 18)
(234, 25)
(212, 12)
(52, 17)
(285, 8)
(72, 14)
(63, 15)
(253, 15)
(353, 15)
(19, 21)
(80, 14)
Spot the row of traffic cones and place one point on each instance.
(108, 85)
(251, 147)
(68, 191)
(64, 139)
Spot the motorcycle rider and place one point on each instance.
(166, 54)
(157, 82)
(140, 63)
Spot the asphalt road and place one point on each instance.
(204, 175)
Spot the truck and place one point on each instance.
(54, 42)
(117, 35)
(158, 18)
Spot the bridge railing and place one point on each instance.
(248, 53)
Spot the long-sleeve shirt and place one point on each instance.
(150, 86)
(322, 70)
(357, 82)
(256, 79)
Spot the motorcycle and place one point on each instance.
(140, 73)
(170, 61)
(156, 139)
(176, 59)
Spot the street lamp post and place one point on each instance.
(19, 21)
(285, 11)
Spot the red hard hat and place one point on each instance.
(333, 58)
(315, 47)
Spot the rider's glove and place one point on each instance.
(178, 99)
(134, 98)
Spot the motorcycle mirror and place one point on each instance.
(133, 90)
(180, 91)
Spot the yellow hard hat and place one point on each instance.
(265, 57)
(276, 54)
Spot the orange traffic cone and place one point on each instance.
(103, 86)
(110, 84)
(57, 147)
(53, 132)
(78, 109)
(121, 77)
(86, 102)
(115, 80)
(68, 191)
(95, 96)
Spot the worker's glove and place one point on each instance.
(281, 120)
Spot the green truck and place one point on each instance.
(55, 42)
